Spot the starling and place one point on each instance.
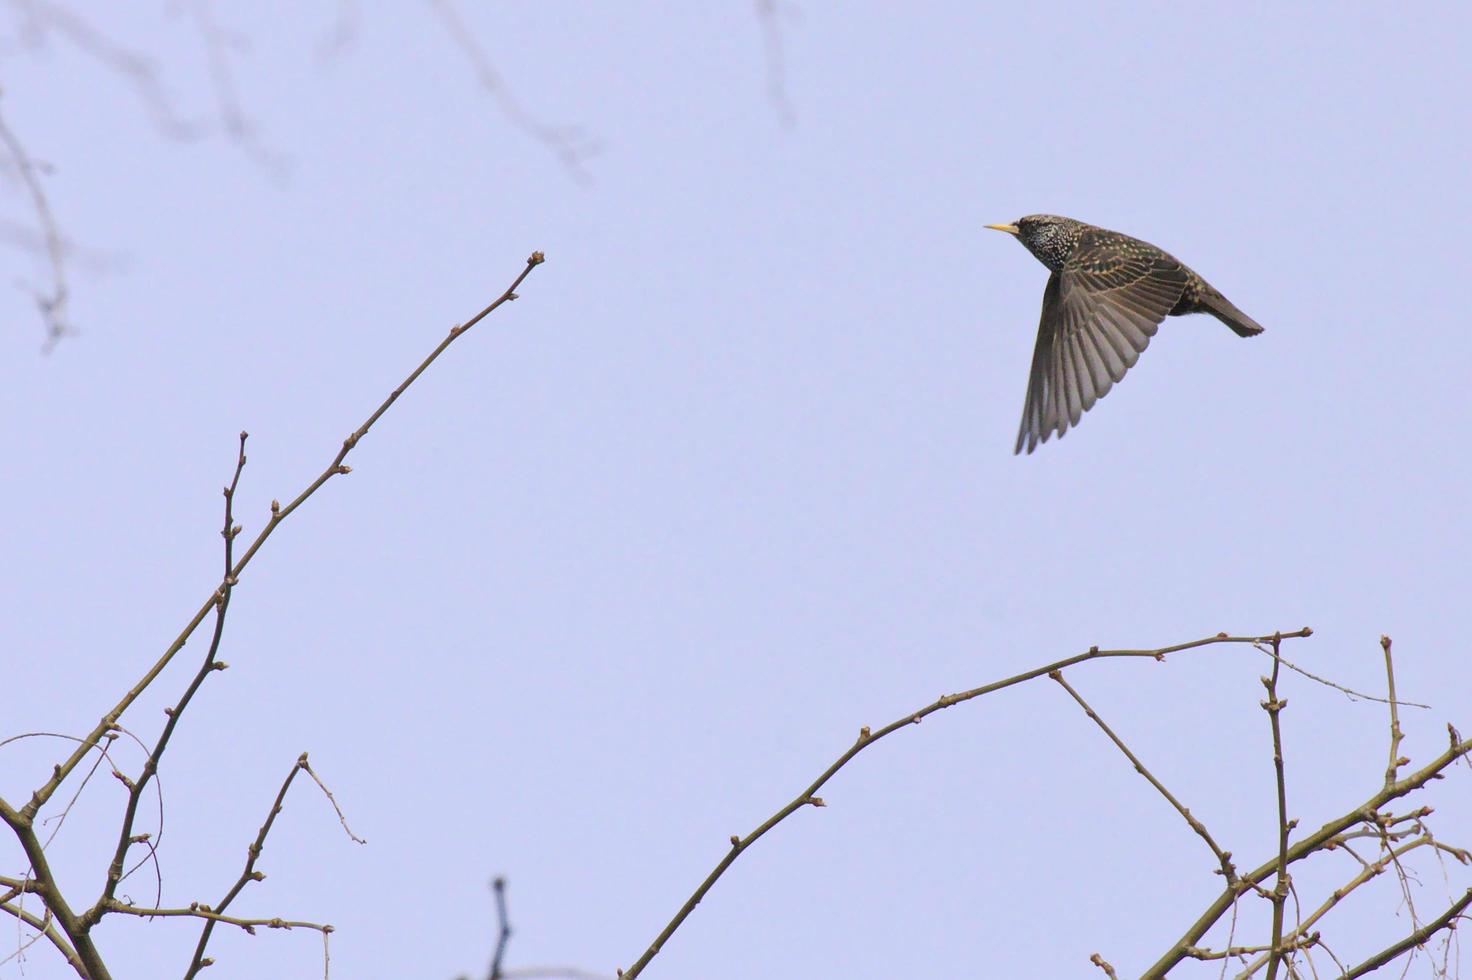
(1105, 299)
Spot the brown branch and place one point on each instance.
(330, 799)
(85, 958)
(569, 144)
(249, 874)
(197, 911)
(1349, 692)
(808, 796)
(278, 515)
(1366, 874)
(1321, 839)
(1104, 965)
(1393, 767)
(1446, 920)
(1224, 858)
(126, 838)
(1274, 707)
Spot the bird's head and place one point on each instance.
(1048, 237)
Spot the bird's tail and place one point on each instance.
(1220, 307)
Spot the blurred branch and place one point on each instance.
(218, 44)
(51, 301)
(570, 144)
(78, 946)
(503, 937)
(41, 17)
(867, 738)
(769, 15)
(503, 928)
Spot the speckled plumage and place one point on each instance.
(1107, 295)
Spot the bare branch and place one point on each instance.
(1447, 920)
(1224, 858)
(503, 928)
(809, 797)
(1325, 837)
(249, 874)
(1274, 707)
(278, 515)
(1393, 767)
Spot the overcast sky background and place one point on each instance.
(642, 552)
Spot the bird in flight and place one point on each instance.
(1106, 296)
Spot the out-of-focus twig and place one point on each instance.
(216, 914)
(570, 144)
(769, 15)
(52, 299)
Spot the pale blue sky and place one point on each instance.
(734, 477)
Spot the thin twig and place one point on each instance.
(278, 515)
(253, 853)
(809, 797)
(1274, 707)
(1320, 839)
(1104, 965)
(52, 300)
(1224, 858)
(1366, 874)
(330, 799)
(1393, 767)
(1349, 692)
(1446, 920)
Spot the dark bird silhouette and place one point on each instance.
(1104, 301)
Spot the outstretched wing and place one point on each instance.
(1099, 314)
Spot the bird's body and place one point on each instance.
(1106, 296)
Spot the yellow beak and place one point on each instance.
(1009, 229)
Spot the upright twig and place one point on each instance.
(809, 797)
(1274, 707)
(1392, 768)
(503, 928)
(126, 837)
(215, 914)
